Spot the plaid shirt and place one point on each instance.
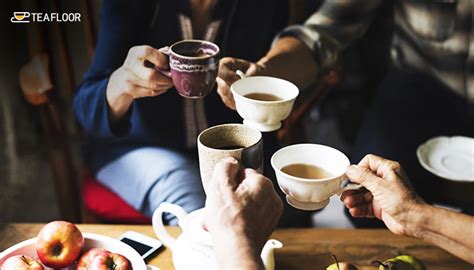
(433, 36)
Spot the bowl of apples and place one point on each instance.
(61, 244)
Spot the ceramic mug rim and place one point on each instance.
(194, 57)
(229, 150)
(307, 180)
(293, 97)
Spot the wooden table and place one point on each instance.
(303, 248)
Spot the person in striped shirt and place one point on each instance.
(428, 90)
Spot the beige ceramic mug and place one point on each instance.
(229, 140)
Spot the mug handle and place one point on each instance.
(158, 226)
(241, 74)
(166, 51)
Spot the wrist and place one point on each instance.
(234, 249)
(116, 91)
(418, 216)
(118, 99)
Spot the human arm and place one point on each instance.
(301, 52)
(390, 197)
(242, 210)
(118, 33)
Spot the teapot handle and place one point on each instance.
(158, 226)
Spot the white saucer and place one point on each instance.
(451, 158)
(308, 206)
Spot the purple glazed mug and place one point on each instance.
(193, 66)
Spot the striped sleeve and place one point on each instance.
(333, 27)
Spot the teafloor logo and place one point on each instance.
(26, 17)
(20, 17)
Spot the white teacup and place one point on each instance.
(264, 115)
(311, 194)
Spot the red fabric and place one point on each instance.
(108, 206)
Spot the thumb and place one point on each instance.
(252, 70)
(365, 177)
(228, 66)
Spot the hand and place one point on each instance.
(388, 196)
(138, 77)
(242, 210)
(227, 76)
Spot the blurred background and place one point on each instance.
(30, 140)
(41, 167)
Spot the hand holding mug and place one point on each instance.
(227, 75)
(138, 77)
(242, 210)
(388, 196)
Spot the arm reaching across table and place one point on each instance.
(390, 197)
(301, 52)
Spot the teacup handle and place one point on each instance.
(159, 227)
(166, 51)
(348, 185)
(241, 74)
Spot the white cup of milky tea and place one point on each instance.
(309, 174)
(263, 102)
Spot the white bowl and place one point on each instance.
(451, 158)
(92, 240)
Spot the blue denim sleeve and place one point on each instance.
(116, 36)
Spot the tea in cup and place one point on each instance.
(229, 140)
(193, 66)
(263, 102)
(309, 174)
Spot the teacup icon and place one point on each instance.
(20, 17)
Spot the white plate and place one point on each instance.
(451, 158)
(92, 240)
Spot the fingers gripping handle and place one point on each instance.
(158, 226)
(348, 185)
(166, 51)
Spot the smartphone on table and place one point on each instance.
(145, 245)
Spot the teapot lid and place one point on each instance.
(193, 226)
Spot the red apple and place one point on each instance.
(21, 262)
(59, 244)
(110, 261)
(87, 258)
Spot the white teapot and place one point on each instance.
(193, 248)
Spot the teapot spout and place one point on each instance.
(267, 253)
